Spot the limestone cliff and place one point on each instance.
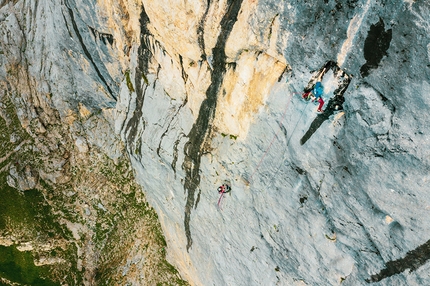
(71, 212)
(198, 93)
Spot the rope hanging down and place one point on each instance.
(274, 137)
(224, 188)
(219, 200)
(288, 142)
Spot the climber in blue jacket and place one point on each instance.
(318, 92)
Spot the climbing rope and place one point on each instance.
(283, 154)
(220, 199)
(274, 137)
(270, 145)
(223, 189)
(297, 123)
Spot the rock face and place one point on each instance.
(71, 212)
(207, 92)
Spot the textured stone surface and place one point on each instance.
(203, 92)
(337, 208)
(76, 214)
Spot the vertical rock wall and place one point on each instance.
(71, 212)
(207, 92)
(346, 205)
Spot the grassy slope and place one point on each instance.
(116, 214)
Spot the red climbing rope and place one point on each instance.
(224, 188)
(220, 199)
(274, 137)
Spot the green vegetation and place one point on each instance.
(128, 79)
(175, 279)
(27, 216)
(27, 210)
(232, 137)
(115, 232)
(118, 209)
(18, 267)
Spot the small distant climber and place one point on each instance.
(224, 188)
(318, 92)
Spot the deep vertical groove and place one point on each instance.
(87, 53)
(198, 135)
(144, 56)
(201, 29)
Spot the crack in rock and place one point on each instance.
(201, 31)
(104, 37)
(87, 52)
(144, 56)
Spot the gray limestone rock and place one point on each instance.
(336, 209)
(205, 92)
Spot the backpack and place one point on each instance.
(318, 90)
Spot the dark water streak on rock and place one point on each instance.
(412, 261)
(199, 134)
(87, 52)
